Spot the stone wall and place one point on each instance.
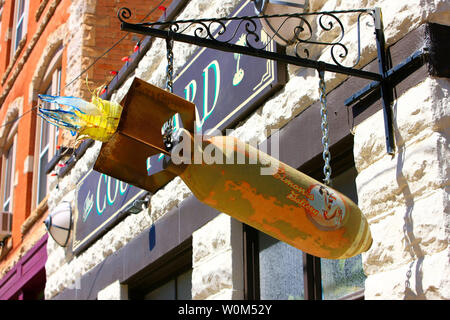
(393, 192)
(217, 260)
(406, 197)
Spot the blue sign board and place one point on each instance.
(224, 86)
(101, 202)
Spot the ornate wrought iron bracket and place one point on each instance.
(219, 33)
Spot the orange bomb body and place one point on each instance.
(265, 193)
(156, 127)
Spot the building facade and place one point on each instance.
(44, 47)
(174, 246)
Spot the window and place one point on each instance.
(278, 271)
(279, 281)
(7, 179)
(19, 22)
(167, 278)
(8, 142)
(177, 288)
(1, 18)
(46, 134)
(44, 145)
(8, 161)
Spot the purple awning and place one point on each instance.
(27, 277)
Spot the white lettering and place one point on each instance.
(97, 204)
(246, 309)
(190, 91)
(108, 191)
(195, 310)
(207, 111)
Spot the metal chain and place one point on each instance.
(169, 81)
(324, 126)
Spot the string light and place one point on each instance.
(115, 44)
(137, 46)
(162, 8)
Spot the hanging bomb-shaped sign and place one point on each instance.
(261, 191)
(155, 141)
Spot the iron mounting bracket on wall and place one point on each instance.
(217, 34)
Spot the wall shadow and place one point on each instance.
(411, 242)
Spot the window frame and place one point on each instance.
(171, 277)
(51, 84)
(19, 21)
(11, 143)
(167, 267)
(1, 19)
(311, 265)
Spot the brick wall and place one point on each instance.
(85, 29)
(99, 31)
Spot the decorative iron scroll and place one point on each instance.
(307, 25)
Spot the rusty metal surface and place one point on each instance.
(283, 203)
(147, 107)
(138, 136)
(125, 159)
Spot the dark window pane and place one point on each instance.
(179, 288)
(45, 128)
(18, 35)
(281, 270)
(8, 179)
(342, 277)
(42, 183)
(21, 8)
(184, 286)
(164, 292)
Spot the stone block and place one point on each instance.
(168, 198)
(413, 171)
(421, 107)
(409, 231)
(209, 278)
(114, 291)
(418, 111)
(224, 294)
(217, 260)
(212, 239)
(427, 277)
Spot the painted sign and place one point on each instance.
(225, 86)
(101, 202)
